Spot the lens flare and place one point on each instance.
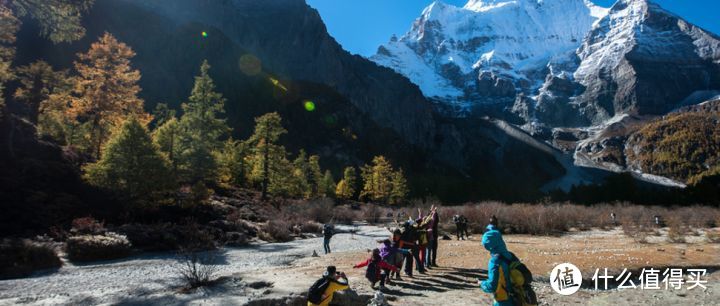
(309, 106)
(250, 65)
(277, 83)
(204, 34)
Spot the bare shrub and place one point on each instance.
(311, 227)
(277, 231)
(713, 236)
(87, 226)
(97, 247)
(345, 215)
(676, 234)
(197, 268)
(636, 232)
(320, 210)
(374, 213)
(20, 257)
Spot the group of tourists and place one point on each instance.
(415, 242)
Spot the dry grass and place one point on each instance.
(549, 219)
(97, 247)
(19, 258)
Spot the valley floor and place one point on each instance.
(272, 274)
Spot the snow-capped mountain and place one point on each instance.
(489, 50)
(555, 63)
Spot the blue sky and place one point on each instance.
(360, 26)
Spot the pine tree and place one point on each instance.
(106, 89)
(301, 172)
(232, 162)
(399, 187)
(9, 25)
(268, 158)
(345, 189)
(377, 177)
(59, 20)
(202, 129)
(327, 185)
(162, 113)
(131, 164)
(37, 82)
(167, 137)
(315, 176)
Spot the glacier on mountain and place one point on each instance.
(456, 54)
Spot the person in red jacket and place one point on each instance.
(375, 269)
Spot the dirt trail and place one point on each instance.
(462, 262)
(273, 274)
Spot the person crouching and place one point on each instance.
(376, 268)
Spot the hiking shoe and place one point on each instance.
(382, 288)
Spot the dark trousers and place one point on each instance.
(431, 257)
(383, 277)
(409, 260)
(326, 244)
(461, 231)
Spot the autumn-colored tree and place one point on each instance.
(268, 158)
(399, 187)
(37, 82)
(106, 89)
(345, 189)
(377, 184)
(131, 164)
(202, 127)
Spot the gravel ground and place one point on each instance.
(152, 278)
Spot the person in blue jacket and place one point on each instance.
(498, 280)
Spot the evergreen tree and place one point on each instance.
(327, 185)
(162, 113)
(377, 177)
(399, 187)
(9, 25)
(345, 189)
(131, 164)
(232, 162)
(268, 158)
(315, 176)
(202, 129)
(106, 89)
(301, 172)
(59, 20)
(37, 82)
(167, 137)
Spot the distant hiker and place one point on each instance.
(322, 291)
(613, 217)
(328, 232)
(376, 268)
(433, 235)
(392, 255)
(508, 278)
(658, 222)
(460, 227)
